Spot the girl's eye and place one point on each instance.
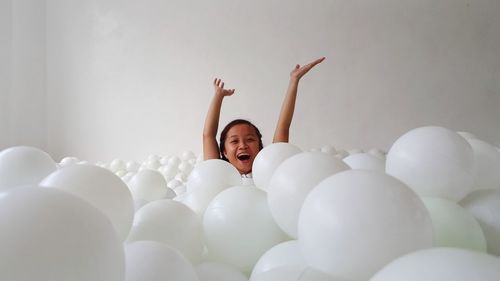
(234, 142)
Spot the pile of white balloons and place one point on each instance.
(428, 209)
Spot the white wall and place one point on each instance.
(127, 79)
(22, 55)
(5, 69)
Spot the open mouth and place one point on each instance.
(243, 157)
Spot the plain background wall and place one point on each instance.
(125, 79)
(23, 109)
(5, 69)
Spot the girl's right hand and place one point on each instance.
(219, 88)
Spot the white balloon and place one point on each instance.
(117, 164)
(329, 149)
(212, 173)
(48, 235)
(99, 187)
(199, 200)
(132, 166)
(154, 261)
(453, 226)
(438, 264)
(434, 162)
(149, 185)
(174, 183)
(292, 181)
(283, 254)
(341, 154)
(66, 161)
(185, 167)
(168, 171)
(268, 159)
(356, 221)
(287, 273)
(119, 173)
(355, 151)
(238, 227)
(365, 161)
(174, 161)
(24, 165)
(484, 205)
(377, 153)
(187, 155)
(218, 271)
(487, 165)
(152, 164)
(172, 223)
(467, 135)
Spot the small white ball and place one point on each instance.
(148, 185)
(365, 161)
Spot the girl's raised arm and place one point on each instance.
(210, 147)
(281, 134)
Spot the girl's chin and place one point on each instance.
(245, 169)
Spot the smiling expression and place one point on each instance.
(241, 146)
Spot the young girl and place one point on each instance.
(240, 140)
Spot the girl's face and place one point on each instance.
(241, 146)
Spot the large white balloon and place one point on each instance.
(487, 165)
(434, 162)
(198, 200)
(365, 161)
(238, 227)
(154, 261)
(283, 254)
(170, 222)
(150, 185)
(287, 273)
(218, 271)
(293, 180)
(484, 205)
(438, 264)
(24, 165)
(356, 221)
(212, 173)
(99, 187)
(268, 159)
(48, 235)
(454, 226)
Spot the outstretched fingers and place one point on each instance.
(219, 88)
(314, 63)
(299, 71)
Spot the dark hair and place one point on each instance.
(223, 135)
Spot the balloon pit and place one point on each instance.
(194, 214)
